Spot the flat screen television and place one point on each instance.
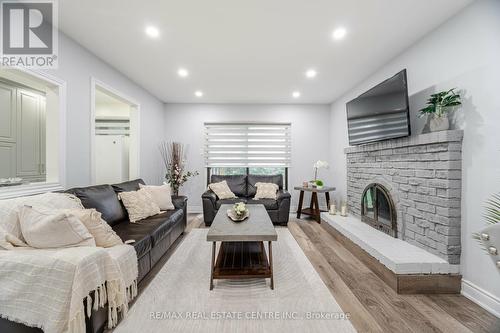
(380, 113)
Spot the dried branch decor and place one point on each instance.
(173, 156)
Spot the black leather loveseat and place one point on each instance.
(153, 237)
(244, 188)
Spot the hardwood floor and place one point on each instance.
(372, 304)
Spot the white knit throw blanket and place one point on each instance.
(47, 288)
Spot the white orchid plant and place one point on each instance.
(319, 165)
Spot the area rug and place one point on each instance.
(178, 299)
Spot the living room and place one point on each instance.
(267, 166)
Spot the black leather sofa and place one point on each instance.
(153, 237)
(243, 187)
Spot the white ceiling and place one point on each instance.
(250, 51)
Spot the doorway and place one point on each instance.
(32, 133)
(114, 135)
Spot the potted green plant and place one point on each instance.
(319, 184)
(488, 237)
(438, 106)
(492, 213)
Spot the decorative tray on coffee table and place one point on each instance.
(233, 216)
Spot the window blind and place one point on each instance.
(247, 144)
(112, 126)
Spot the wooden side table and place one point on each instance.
(313, 209)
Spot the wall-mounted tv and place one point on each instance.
(380, 113)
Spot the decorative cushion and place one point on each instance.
(161, 195)
(9, 242)
(266, 191)
(9, 209)
(4, 243)
(254, 179)
(139, 204)
(127, 186)
(237, 183)
(222, 190)
(103, 235)
(45, 229)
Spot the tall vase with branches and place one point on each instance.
(173, 156)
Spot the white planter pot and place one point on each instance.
(439, 123)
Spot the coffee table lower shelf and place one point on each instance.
(241, 260)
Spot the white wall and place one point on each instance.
(112, 110)
(465, 53)
(108, 106)
(76, 67)
(310, 127)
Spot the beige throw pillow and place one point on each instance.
(161, 195)
(139, 204)
(266, 191)
(4, 243)
(9, 209)
(8, 241)
(222, 190)
(56, 229)
(101, 231)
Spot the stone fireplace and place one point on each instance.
(410, 188)
(378, 210)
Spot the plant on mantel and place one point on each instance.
(438, 106)
(173, 156)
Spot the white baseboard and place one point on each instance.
(486, 300)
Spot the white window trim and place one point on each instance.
(60, 184)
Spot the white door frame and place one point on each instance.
(135, 115)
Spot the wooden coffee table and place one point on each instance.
(242, 252)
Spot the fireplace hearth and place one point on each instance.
(377, 209)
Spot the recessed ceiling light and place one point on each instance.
(152, 32)
(182, 72)
(198, 93)
(311, 73)
(339, 33)
(296, 94)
